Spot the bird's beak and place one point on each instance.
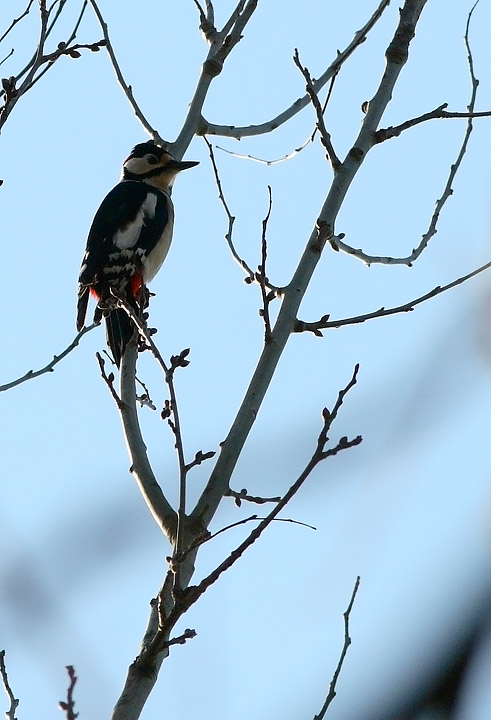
(177, 166)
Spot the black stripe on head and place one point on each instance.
(143, 149)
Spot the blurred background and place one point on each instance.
(409, 510)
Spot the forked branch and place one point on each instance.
(293, 293)
(302, 102)
(384, 134)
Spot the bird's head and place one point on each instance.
(152, 164)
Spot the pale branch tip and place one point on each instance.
(274, 161)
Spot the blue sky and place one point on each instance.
(409, 510)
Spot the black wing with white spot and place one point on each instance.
(130, 222)
(132, 216)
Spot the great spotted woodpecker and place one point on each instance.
(128, 241)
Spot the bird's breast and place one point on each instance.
(153, 261)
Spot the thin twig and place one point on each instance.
(243, 495)
(251, 276)
(265, 161)
(10, 714)
(192, 593)
(207, 536)
(325, 323)
(127, 89)
(333, 69)
(293, 153)
(188, 634)
(69, 705)
(319, 111)
(51, 365)
(231, 218)
(199, 458)
(261, 276)
(7, 56)
(438, 113)
(454, 168)
(347, 642)
(109, 380)
(16, 20)
(40, 63)
(183, 471)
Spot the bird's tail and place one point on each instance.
(119, 331)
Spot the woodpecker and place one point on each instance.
(128, 241)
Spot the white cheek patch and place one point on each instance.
(127, 237)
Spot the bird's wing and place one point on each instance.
(132, 216)
(127, 226)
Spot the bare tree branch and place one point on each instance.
(127, 89)
(10, 714)
(69, 705)
(162, 511)
(261, 276)
(347, 642)
(299, 104)
(223, 43)
(41, 62)
(438, 113)
(207, 23)
(271, 161)
(188, 634)
(319, 111)
(191, 594)
(206, 537)
(251, 276)
(109, 380)
(396, 57)
(7, 56)
(51, 365)
(231, 218)
(448, 189)
(325, 323)
(244, 495)
(16, 20)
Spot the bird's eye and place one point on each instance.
(151, 159)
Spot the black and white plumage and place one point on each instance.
(128, 241)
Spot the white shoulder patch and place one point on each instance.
(128, 236)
